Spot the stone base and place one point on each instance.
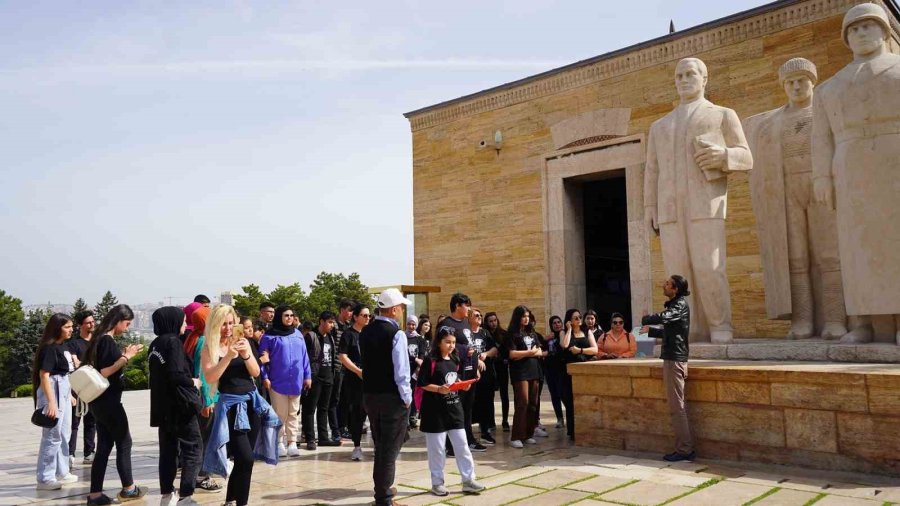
(807, 350)
(840, 417)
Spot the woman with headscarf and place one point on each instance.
(193, 345)
(174, 405)
(188, 320)
(286, 374)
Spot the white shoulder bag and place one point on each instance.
(88, 384)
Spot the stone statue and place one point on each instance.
(690, 152)
(795, 232)
(856, 167)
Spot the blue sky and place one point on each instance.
(162, 149)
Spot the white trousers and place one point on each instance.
(437, 455)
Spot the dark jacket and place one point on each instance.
(173, 396)
(676, 320)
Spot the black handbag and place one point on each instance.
(42, 420)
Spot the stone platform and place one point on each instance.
(841, 417)
(811, 350)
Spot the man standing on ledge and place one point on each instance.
(690, 153)
(676, 321)
(386, 388)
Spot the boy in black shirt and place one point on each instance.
(322, 358)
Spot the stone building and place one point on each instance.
(538, 183)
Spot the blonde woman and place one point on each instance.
(241, 415)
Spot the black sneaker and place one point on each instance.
(679, 457)
(413, 423)
(208, 484)
(102, 500)
(450, 452)
(335, 436)
(311, 445)
(345, 434)
(505, 427)
(133, 494)
(488, 439)
(329, 442)
(477, 447)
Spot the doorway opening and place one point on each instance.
(605, 219)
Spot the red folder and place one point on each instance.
(459, 385)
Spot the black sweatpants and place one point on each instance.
(334, 404)
(315, 411)
(90, 433)
(112, 429)
(181, 444)
(483, 410)
(240, 446)
(502, 368)
(356, 412)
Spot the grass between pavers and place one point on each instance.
(705, 484)
(815, 499)
(564, 485)
(598, 494)
(443, 500)
(760, 498)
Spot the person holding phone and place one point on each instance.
(442, 414)
(580, 346)
(105, 355)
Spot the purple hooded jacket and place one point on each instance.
(288, 365)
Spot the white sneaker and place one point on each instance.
(531, 441)
(292, 450)
(50, 485)
(69, 478)
(282, 450)
(88, 459)
(187, 501)
(357, 454)
(516, 444)
(71, 461)
(472, 487)
(560, 423)
(439, 490)
(229, 465)
(539, 432)
(168, 499)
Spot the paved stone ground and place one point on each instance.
(550, 473)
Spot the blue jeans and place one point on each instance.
(53, 455)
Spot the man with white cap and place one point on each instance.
(386, 388)
(856, 167)
(796, 233)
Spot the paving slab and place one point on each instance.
(613, 461)
(837, 500)
(760, 478)
(787, 497)
(554, 479)
(497, 496)
(673, 477)
(555, 497)
(645, 493)
(512, 476)
(724, 493)
(598, 484)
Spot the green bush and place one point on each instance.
(135, 379)
(24, 390)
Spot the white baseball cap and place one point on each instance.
(392, 297)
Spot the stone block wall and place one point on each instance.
(826, 416)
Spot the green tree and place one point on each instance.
(327, 290)
(106, 303)
(292, 295)
(247, 303)
(11, 315)
(21, 347)
(80, 305)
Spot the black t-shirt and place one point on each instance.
(440, 413)
(56, 359)
(325, 356)
(463, 333)
(236, 379)
(108, 353)
(484, 342)
(350, 346)
(78, 346)
(418, 348)
(524, 369)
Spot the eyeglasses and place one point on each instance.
(365, 316)
(288, 315)
(618, 322)
(576, 318)
(477, 315)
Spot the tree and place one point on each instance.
(21, 347)
(247, 303)
(106, 303)
(327, 290)
(80, 305)
(11, 315)
(292, 295)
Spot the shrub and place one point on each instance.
(24, 390)
(135, 379)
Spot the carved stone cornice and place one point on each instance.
(764, 20)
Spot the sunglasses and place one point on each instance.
(365, 316)
(618, 323)
(288, 315)
(576, 318)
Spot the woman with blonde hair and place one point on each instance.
(241, 414)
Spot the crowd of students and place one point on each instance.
(227, 390)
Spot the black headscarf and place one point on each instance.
(278, 327)
(167, 320)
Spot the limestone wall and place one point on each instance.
(480, 223)
(826, 416)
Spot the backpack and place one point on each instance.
(88, 384)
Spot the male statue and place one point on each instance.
(856, 167)
(795, 232)
(690, 152)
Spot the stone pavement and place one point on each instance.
(550, 473)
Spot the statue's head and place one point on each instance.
(865, 29)
(798, 77)
(690, 78)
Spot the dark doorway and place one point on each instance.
(607, 277)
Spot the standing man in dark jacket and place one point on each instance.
(386, 388)
(676, 321)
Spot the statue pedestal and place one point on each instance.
(840, 417)
(809, 350)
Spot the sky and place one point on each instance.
(164, 149)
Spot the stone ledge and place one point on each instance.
(814, 350)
